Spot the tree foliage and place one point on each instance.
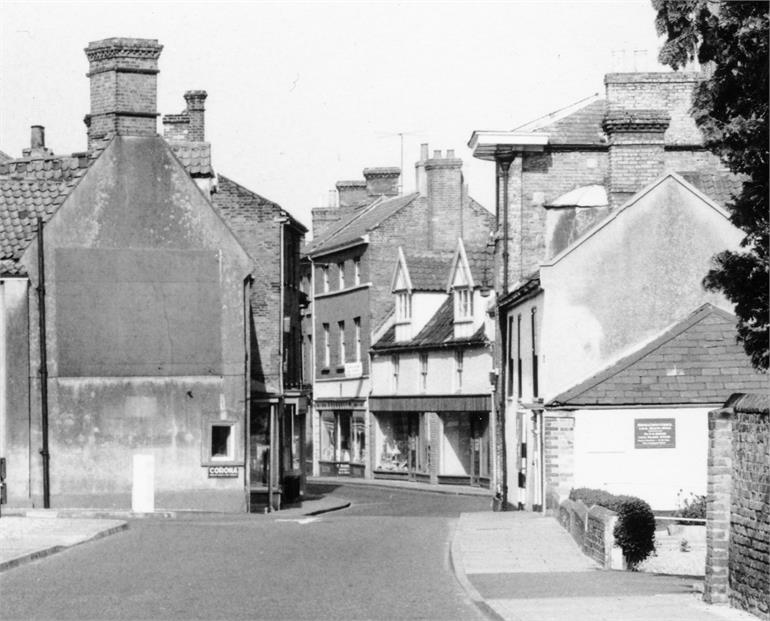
(730, 106)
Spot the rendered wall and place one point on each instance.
(605, 456)
(137, 197)
(630, 280)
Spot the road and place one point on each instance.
(386, 557)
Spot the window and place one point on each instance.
(357, 325)
(458, 369)
(510, 360)
(518, 355)
(463, 303)
(357, 271)
(325, 278)
(535, 392)
(394, 362)
(341, 330)
(341, 272)
(424, 371)
(403, 306)
(327, 351)
(222, 442)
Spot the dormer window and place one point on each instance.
(463, 304)
(403, 306)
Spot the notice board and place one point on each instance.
(654, 433)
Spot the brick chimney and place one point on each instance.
(444, 193)
(37, 148)
(351, 193)
(382, 181)
(636, 150)
(196, 107)
(123, 75)
(420, 180)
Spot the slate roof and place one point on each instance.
(437, 333)
(428, 271)
(582, 127)
(696, 361)
(481, 263)
(719, 186)
(359, 223)
(194, 156)
(32, 188)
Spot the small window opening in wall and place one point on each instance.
(221, 442)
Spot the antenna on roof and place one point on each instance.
(401, 138)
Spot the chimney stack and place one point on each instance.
(420, 180)
(123, 74)
(37, 146)
(382, 181)
(444, 193)
(351, 193)
(196, 107)
(636, 150)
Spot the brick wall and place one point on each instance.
(592, 529)
(558, 452)
(738, 510)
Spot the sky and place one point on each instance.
(302, 94)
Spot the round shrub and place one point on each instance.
(635, 531)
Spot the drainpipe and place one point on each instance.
(43, 365)
(504, 168)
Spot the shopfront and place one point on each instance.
(343, 437)
(439, 440)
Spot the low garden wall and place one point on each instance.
(592, 529)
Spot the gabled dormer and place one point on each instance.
(465, 295)
(402, 290)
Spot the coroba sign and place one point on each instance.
(223, 472)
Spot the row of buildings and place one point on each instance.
(166, 330)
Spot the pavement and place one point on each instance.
(520, 566)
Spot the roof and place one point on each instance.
(752, 403)
(428, 271)
(526, 289)
(353, 228)
(720, 185)
(237, 202)
(696, 361)
(481, 263)
(194, 156)
(32, 188)
(437, 333)
(584, 196)
(4, 157)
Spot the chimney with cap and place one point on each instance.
(351, 193)
(37, 148)
(420, 180)
(382, 181)
(123, 74)
(444, 194)
(196, 107)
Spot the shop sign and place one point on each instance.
(654, 433)
(343, 469)
(223, 472)
(354, 369)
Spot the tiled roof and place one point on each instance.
(358, 224)
(582, 127)
(428, 271)
(194, 156)
(4, 157)
(31, 189)
(437, 333)
(528, 286)
(481, 263)
(719, 185)
(697, 361)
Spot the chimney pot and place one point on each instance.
(450, 153)
(37, 137)
(424, 151)
(437, 154)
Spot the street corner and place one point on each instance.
(25, 539)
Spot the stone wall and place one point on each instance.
(738, 511)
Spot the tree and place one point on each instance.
(730, 40)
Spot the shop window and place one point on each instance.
(259, 443)
(220, 442)
(341, 272)
(343, 437)
(403, 442)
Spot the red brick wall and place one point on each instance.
(738, 511)
(558, 452)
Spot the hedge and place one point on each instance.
(635, 528)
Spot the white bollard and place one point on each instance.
(143, 489)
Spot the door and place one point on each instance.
(479, 448)
(416, 445)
